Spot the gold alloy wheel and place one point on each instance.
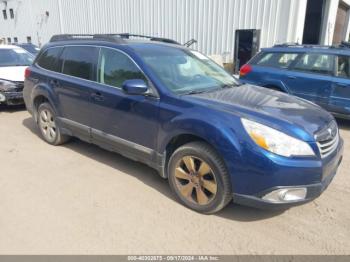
(195, 180)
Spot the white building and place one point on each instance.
(228, 28)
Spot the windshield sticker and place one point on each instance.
(199, 55)
(19, 51)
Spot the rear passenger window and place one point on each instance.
(343, 69)
(316, 63)
(50, 59)
(79, 61)
(115, 67)
(278, 60)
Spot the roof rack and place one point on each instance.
(286, 44)
(116, 38)
(344, 44)
(151, 38)
(307, 45)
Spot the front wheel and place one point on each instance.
(199, 178)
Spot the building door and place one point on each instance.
(342, 16)
(247, 44)
(313, 21)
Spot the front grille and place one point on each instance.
(328, 139)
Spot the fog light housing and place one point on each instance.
(285, 195)
(2, 98)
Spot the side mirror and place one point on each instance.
(135, 87)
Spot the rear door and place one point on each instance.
(73, 87)
(268, 69)
(339, 101)
(311, 77)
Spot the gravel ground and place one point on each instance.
(80, 199)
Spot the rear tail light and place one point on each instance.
(27, 73)
(245, 69)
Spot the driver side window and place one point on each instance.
(115, 67)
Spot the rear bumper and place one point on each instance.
(312, 190)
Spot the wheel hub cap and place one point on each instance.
(195, 180)
(47, 125)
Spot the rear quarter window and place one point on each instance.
(274, 59)
(50, 59)
(80, 61)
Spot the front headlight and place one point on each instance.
(276, 141)
(6, 85)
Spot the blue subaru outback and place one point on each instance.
(175, 110)
(320, 74)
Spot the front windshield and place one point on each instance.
(15, 57)
(185, 71)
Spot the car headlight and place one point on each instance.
(276, 141)
(6, 85)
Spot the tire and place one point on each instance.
(48, 126)
(208, 169)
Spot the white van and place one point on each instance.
(13, 62)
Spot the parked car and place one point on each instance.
(13, 62)
(177, 111)
(31, 48)
(317, 73)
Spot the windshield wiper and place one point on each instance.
(194, 92)
(229, 86)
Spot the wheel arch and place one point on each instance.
(216, 137)
(41, 94)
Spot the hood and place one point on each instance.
(12, 73)
(262, 103)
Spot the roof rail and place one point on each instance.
(102, 37)
(116, 38)
(344, 44)
(286, 44)
(151, 38)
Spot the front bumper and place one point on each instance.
(313, 190)
(12, 98)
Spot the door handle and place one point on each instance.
(97, 96)
(291, 77)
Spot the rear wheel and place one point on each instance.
(48, 126)
(199, 178)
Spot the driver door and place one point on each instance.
(121, 122)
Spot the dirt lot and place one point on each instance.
(80, 199)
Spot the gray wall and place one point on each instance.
(211, 22)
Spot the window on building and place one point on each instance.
(50, 59)
(29, 39)
(4, 13)
(9, 40)
(80, 62)
(12, 15)
(15, 40)
(316, 63)
(114, 68)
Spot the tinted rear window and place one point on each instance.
(50, 59)
(278, 60)
(80, 61)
